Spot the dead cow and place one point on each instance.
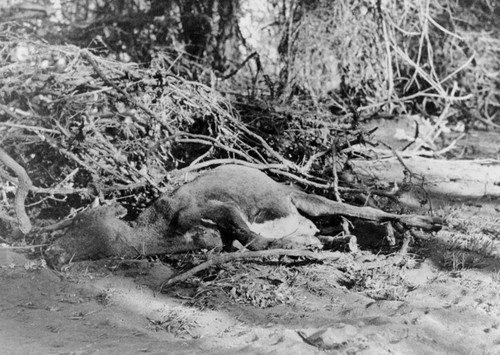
(234, 201)
(246, 204)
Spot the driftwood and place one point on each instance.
(460, 178)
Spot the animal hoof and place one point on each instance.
(431, 224)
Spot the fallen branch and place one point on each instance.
(209, 163)
(277, 169)
(465, 178)
(222, 259)
(25, 247)
(23, 188)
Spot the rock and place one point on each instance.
(330, 338)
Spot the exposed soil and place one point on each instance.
(443, 297)
(90, 309)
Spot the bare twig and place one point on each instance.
(90, 58)
(209, 142)
(304, 181)
(264, 144)
(30, 128)
(399, 158)
(241, 65)
(23, 247)
(335, 176)
(209, 163)
(274, 168)
(9, 112)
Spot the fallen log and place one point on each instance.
(460, 178)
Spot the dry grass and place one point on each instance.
(177, 321)
(384, 280)
(470, 243)
(262, 283)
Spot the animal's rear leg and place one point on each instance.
(316, 206)
(229, 219)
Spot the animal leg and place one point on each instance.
(229, 219)
(317, 206)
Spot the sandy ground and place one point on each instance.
(442, 298)
(448, 307)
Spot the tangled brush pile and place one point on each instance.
(395, 56)
(83, 126)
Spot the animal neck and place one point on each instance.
(157, 214)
